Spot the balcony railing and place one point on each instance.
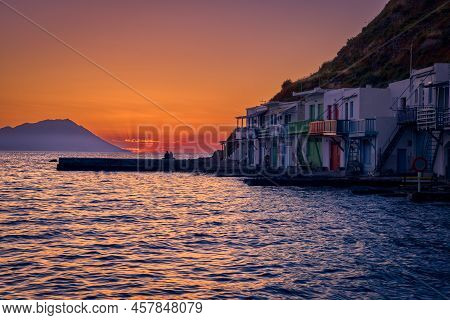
(300, 127)
(329, 127)
(252, 133)
(426, 118)
(326, 127)
(363, 127)
(272, 131)
(447, 118)
(406, 116)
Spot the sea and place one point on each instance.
(130, 235)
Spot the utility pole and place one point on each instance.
(410, 59)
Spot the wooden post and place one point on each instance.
(419, 176)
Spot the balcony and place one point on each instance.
(244, 133)
(329, 127)
(272, 131)
(240, 133)
(252, 133)
(301, 127)
(326, 127)
(362, 128)
(426, 118)
(406, 116)
(447, 119)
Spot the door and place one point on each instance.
(288, 156)
(314, 155)
(336, 112)
(251, 153)
(283, 155)
(274, 154)
(447, 164)
(335, 158)
(401, 161)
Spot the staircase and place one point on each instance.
(393, 141)
(230, 145)
(434, 138)
(353, 158)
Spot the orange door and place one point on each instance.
(335, 159)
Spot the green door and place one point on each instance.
(314, 152)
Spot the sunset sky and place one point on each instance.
(203, 61)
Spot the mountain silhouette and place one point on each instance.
(53, 135)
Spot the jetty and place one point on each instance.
(209, 165)
(137, 164)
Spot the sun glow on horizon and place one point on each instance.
(201, 62)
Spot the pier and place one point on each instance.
(138, 164)
(383, 186)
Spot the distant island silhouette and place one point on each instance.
(53, 135)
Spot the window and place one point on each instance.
(312, 112)
(430, 95)
(442, 97)
(403, 102)
(346, 111)
(320, 115)
(287, 118)
(416, 96)
(351, 109)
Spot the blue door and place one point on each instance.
(447, 167)
(401, 161)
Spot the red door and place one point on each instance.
(336, 112)
(335, 159)
(329, 112)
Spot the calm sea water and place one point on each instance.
(160, 235)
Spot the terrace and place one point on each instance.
(300, 127)
(362, 128)
(329, 127)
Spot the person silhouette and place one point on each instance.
(167, 155)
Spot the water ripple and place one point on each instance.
(94, 235)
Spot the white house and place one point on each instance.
(423, 122)
(349, 128)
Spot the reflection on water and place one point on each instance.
(155, 235)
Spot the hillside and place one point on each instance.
(380, 53)
(53, 135)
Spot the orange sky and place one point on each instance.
(203, 61)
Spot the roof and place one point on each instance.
(315, 91)
(257, 113)
(281, 108)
